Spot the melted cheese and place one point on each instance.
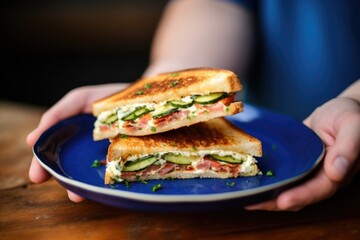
(125, 110)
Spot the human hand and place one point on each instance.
(77, 101)
(337, 123)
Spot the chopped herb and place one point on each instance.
(127, 184)
(139, 93)
(123, 136)
(156, 187)
(227, 109)
(230, 184)
(95, 164)
(112, 186)
(117, 166)
(174, 83)
(148, 86)
(144, 182)
(153, 129)
(269, 173)
(190, 117)
(174, 74)
(194, 148)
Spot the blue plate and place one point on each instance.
(290, 150)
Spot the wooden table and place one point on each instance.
(43, 211)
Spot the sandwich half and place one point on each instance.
(167, 101)
(212, 149)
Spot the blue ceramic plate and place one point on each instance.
(290, 151)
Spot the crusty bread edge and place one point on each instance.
(227, 82)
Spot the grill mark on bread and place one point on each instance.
(222, 135)
(192, 136)
(189, 81)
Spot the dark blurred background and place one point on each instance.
(50, 47)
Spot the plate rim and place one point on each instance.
(177, 198)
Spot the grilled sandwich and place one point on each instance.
(167, 101)
(212, 149)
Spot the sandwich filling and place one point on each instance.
(156, 115)
(213, 163)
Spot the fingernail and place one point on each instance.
(341, 166)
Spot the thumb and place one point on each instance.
(342, 158)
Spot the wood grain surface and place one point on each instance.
(43, 211)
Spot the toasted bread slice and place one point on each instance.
(215, 134)
(209, 145)
(170, 86)
(147, 97)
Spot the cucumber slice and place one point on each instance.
(138, 112)
(130, 116)
(164, 110)
(209, 98)
(112, 118)
(139, 164)
(228, 159)
(179, 159)
(181, 104)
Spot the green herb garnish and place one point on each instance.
(139, 93)
(230, 184)
(174, 83)
(153, 129)
(174, 74)
(95, 164)
(127, 184)
(148, 86)
(123, 136)
(156, 187)
(269, 173)
(194, 148)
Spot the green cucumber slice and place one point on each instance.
(228, 159)
(181, 104)
(164, 110)
(138, 112)
(209, 98)
(112, 118)
(179, 159)
(139, 164)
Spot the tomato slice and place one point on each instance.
(228, 100)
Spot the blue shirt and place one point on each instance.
(307, 52)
